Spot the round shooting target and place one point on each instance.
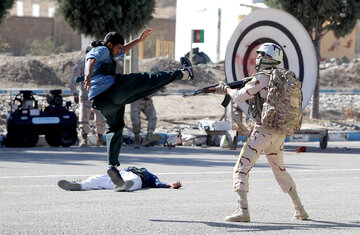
(281, 28)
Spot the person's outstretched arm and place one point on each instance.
(143, 36)
(174, 185)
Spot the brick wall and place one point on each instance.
(165, 26)
(44, 6)
(64, 34)
(332, 47)
(164, 29)
(19, 32)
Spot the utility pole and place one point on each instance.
(131, 60)
(218, 36)
(85, 42)
(191, 42)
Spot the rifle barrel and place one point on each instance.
(211, 89)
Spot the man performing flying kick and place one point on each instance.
(110, 92)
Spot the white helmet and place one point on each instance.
(272, 50)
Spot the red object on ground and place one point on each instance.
(301, 149)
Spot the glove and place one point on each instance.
(221, 88)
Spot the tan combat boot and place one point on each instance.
(242, 213)
(150, 140)
(100, 140)
(137, 141)
(83, 141)
(300, 212)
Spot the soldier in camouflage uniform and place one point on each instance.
(85, 108)
(145, 105)
(262, 138)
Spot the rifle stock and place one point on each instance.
(211, 89)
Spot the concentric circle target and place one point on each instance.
(277, 26)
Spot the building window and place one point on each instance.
(51, 12)
(19, 8)
(36, 10)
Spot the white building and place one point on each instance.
(203, 14)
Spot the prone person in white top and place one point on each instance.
(139, 178)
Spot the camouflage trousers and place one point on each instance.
(146, 106)
(84, 118)
(272, 144)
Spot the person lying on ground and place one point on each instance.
(140, 178)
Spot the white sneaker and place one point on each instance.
(300, 213)
(240, 215)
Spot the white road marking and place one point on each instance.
(197, 181)
(178, 173)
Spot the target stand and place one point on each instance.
(279, 27)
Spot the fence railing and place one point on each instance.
(165, 48)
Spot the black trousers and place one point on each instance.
(127, 89)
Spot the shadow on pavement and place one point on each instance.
(205, 157)
(260, 227)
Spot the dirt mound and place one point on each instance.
(54, 71)
(205, 75)
(37, 71)
(340, 77)
(30, 71)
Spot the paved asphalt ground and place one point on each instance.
(31, 203)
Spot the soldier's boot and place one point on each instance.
(242, 213)
(137, 141)
(100, 140)
(83, 141)
(150, 140)
(300, 212)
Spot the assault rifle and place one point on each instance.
(211, 89)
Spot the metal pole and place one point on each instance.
(127, 60)
(231, 114)
(135, 59)
(191, 42)
(131, 60)
(218, 36)
(85, 41)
